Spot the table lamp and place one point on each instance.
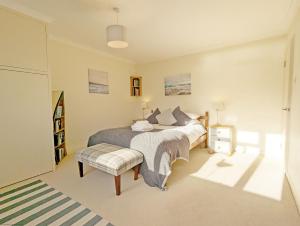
(218, 106)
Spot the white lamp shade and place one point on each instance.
(144, 105)
(219, 106)
(116, 36)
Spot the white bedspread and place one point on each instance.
(193, 130)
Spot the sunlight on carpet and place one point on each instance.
(268, 178)
(226, 170)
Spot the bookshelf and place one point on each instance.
(136, 86)
(58, 125)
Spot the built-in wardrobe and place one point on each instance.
(26, 143)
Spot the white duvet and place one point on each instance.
(193, 130)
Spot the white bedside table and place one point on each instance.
(220, 138)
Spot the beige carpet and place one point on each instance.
(210, 190)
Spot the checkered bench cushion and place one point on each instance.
(110, 158)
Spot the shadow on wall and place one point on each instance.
(254, 170)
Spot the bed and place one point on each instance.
(161, 146)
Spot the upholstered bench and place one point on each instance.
(111, 159)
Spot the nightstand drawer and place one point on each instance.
(221, 132)
(220, 138)
(214, 138)
(222, 147)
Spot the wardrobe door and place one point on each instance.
(25, 126)
(23, 41)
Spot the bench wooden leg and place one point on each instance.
(136, 171)
(80, 166)
(118, 184)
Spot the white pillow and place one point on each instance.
(192, 115)
(166, 118)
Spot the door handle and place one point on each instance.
(286, 109)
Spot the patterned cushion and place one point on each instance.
(110, 158)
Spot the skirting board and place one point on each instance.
(297, 198)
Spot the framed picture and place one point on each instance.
(179, 84)
(98, 82)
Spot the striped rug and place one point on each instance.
(37, 203)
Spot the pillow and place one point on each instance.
(152, 118)
(147, 115)
(166, 118)
(182, 118)
(192, 115)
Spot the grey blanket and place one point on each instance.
(117, 136)
(160, 148)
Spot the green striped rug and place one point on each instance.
(36, 203)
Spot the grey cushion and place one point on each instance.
(182, 118)
(152, 118)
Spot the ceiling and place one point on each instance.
(162, 29)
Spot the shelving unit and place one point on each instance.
(136, 86)
(59, 125)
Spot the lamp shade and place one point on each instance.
(219, 106)
(116, 36)
(144, 105)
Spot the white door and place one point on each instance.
(287, 99)
(25, 126)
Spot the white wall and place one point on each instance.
(293, 161)
(248, 78)
(87, 113)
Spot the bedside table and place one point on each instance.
(220, 138)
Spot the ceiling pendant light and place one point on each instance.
(116, 34)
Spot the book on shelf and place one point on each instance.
(136, 82)
(55, 140)
(56, 156)
(59, 154)
(136, 91)
(57, 125)
(59, 111)
(59, 138)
